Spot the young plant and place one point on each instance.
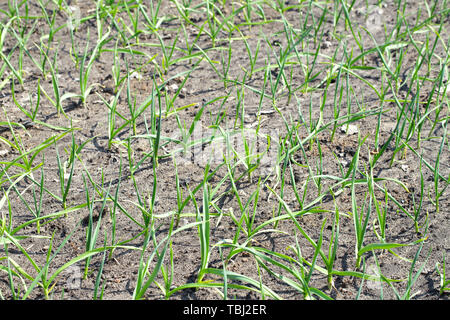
(412, 278)
(147, 211)
(37, 202)
(43, 278)
(360, 221)
(113, 211)
(113, 130)
(179, 195)
(437, 193)
(381, 212)
(32, 113)
(151, 12)
(63, 174)
(418, 207)
(333, 246)
(91, 232)
(86, 66)
(272, 261)
(167, 274)
(134, 18)
(99, 274)
(142, 283)
(50, 36)
(58, 98)
(7, 59)
(204, 232)
(444, 283)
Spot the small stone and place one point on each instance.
(136, 75)
(173, 87)
(183, 93)
(349, 129)
(242, 193)
(326, 44)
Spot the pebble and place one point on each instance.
(349, 129)
(326, 44)
(136, 75)
(183, 93)
(173, 87)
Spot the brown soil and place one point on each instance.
(203, 85)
